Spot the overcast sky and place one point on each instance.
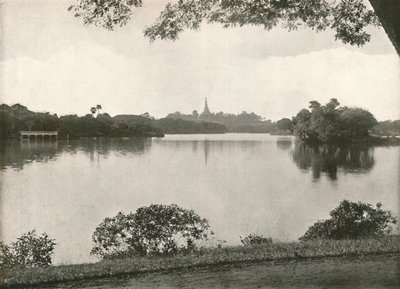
(51, 62)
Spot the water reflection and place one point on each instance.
(105, 146)
(249, 184)
(16, 154)
(284, 143)
(211, 148)
(328, 159)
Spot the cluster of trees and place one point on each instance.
(243, 122)
(16, 118)
(105, 125)
(332, 123)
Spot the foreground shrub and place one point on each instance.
(352, 220)
(29, 250)
(254, 240)
(152, 230)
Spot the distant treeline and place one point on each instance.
(174, 126)
(180, 126)
(16, 118)
(387, 128)
(243, 123)
(318, 123)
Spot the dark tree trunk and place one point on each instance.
(388, 12)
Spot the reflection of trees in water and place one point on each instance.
(210, 147)
(16, 154)
(284, 143)
(328, 159)
(105, 146)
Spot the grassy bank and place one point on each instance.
(206, 257)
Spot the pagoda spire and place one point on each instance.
(206, 109)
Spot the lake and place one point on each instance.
(242, 183)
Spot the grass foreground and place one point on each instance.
(202, 258)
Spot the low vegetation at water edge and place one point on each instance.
(30, 250)
(150, 231)
(204, 257)
(353, 220)
(163, 237)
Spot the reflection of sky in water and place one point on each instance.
(242, 183)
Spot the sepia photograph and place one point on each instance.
(200, 144)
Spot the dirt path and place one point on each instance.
(361, 272)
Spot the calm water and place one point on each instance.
(242, 183)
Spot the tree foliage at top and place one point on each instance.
(152, 230)
(332, 123)
(348, 18)
(351, 220)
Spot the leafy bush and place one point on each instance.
(152, 230)
(352, 220)
(29, 250)
(332, 123)
(254, 240)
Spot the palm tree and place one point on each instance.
(93, 110)
(98, 108)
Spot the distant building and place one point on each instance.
(206, 111)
